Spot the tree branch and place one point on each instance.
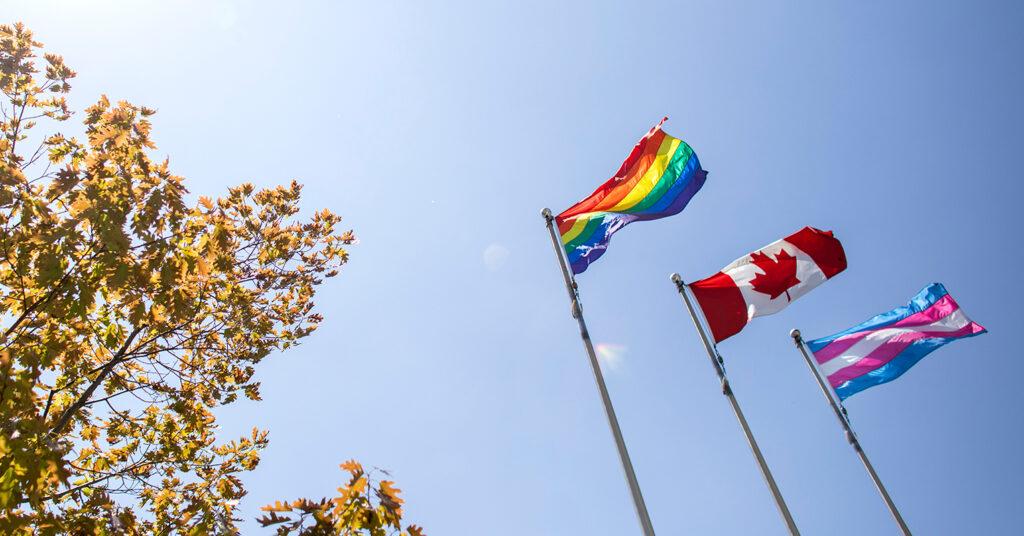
(65, 417)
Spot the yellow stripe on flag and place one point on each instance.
(576, 229)
(651, 177)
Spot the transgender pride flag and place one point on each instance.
(883, 348)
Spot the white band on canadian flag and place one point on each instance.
(765, 281)
(743, 272)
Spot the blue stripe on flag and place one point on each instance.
(924, 299)
(895, 368)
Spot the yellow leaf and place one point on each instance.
(359, 486)
(278, 506)
(80, 205)
(352, 466)
(387, 489)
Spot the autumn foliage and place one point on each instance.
(363, 506)
(128, 314)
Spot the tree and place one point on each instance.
(363, 507)
(127, 316)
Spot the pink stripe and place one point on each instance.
(938, 310)
(893, 347)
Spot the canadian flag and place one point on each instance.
(767, 280)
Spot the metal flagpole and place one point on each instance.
(613, 422)
(850, 436)
(717, 362)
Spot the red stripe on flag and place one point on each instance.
(723, 305)
(619, 186)
(564, 225)
(822, 247)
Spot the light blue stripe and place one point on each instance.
(924, 299)
(895, 368)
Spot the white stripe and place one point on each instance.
(952, 322)
(743, 271)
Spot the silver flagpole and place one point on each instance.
(717, 362)
(613, 422)
(850, 436)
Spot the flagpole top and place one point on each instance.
(676, 278)
(795, 333)
(546, 213)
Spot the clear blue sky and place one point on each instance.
(448, 355)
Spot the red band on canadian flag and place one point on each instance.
(767, 280)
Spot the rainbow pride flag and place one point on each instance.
(658, 179)
(883, 348)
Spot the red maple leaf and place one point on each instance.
(779, 274)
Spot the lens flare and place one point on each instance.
(610, 354)
(495, 256)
